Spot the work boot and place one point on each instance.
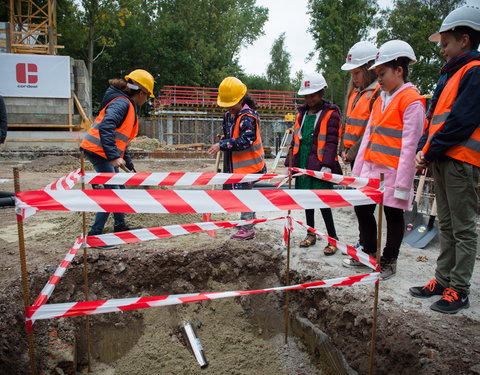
(243, 234)
(388, 268)
(122, 228)
(433, 288)
(451, 302)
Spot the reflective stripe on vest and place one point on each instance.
(386, 128)
(321, 138)
(468, 150)
(123, 134)
(250, 160)
(357, 118)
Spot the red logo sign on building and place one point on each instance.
(307, 84)
(27, 73)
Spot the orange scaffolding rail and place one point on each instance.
(207, 97)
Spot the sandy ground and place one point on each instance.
(415, 267)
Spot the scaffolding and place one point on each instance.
(33, 27)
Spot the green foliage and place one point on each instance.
(278, 71)
(336, 25)
(414, 21)
(181, 42)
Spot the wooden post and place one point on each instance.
(85, 270)
(287, 271)
(25, 287)
(373, 343)
(70, 114)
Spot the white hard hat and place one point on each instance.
(392, 50)
(311, 83)
(468, 15)
(360, 54)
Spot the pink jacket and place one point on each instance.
(398, 182)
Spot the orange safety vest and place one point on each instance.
(250, 160)
(123, 134)
(386, 128)
(357, 118)
(469, 149)
(322, 135)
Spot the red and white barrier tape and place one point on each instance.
(188, 201)
(146, 234)
(60, 310)
(175, 178)
(57, 275)
(197, 179)
(66, 182)
(356, 182)
(357, 254)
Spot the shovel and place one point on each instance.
(206, 217)
(413, 218)
(421, 236)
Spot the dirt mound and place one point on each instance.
(144, 143)
(60, 164)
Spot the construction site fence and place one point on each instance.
(207, 97)
(180, 131)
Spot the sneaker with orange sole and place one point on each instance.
(451, 302)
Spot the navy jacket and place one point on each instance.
(462, 120)
(114, 116)
(3, 121)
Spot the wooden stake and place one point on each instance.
(25, 287)
(287, 271)
(85, 271)
(373, 344)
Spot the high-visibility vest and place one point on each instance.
(357, 118)
(469, 149)
(250, 160)
(123, 134)
(386, 128)
(321, 138)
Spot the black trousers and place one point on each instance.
(327, 218)
(367, 225)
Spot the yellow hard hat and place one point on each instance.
(230, 92)
(143, 78)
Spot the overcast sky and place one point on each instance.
(289, 16)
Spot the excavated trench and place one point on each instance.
(241, 335)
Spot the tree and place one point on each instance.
(181, 42)
(278, 71)
(414, 21)
(336, 25)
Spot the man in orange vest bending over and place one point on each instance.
(451, 144)
(105, 144)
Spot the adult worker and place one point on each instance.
(241, 141)
(314, 146)
(363, 90)
(3, 121)
(451, 145)
(106, 142)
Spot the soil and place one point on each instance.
(410, 337)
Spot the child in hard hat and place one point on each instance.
(388, 147)
(314, 146)
(241, 142)
(451, 148)
(106, 142)
(362, 92)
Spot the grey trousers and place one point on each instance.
(457, 203)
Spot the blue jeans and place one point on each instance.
(103, 165)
